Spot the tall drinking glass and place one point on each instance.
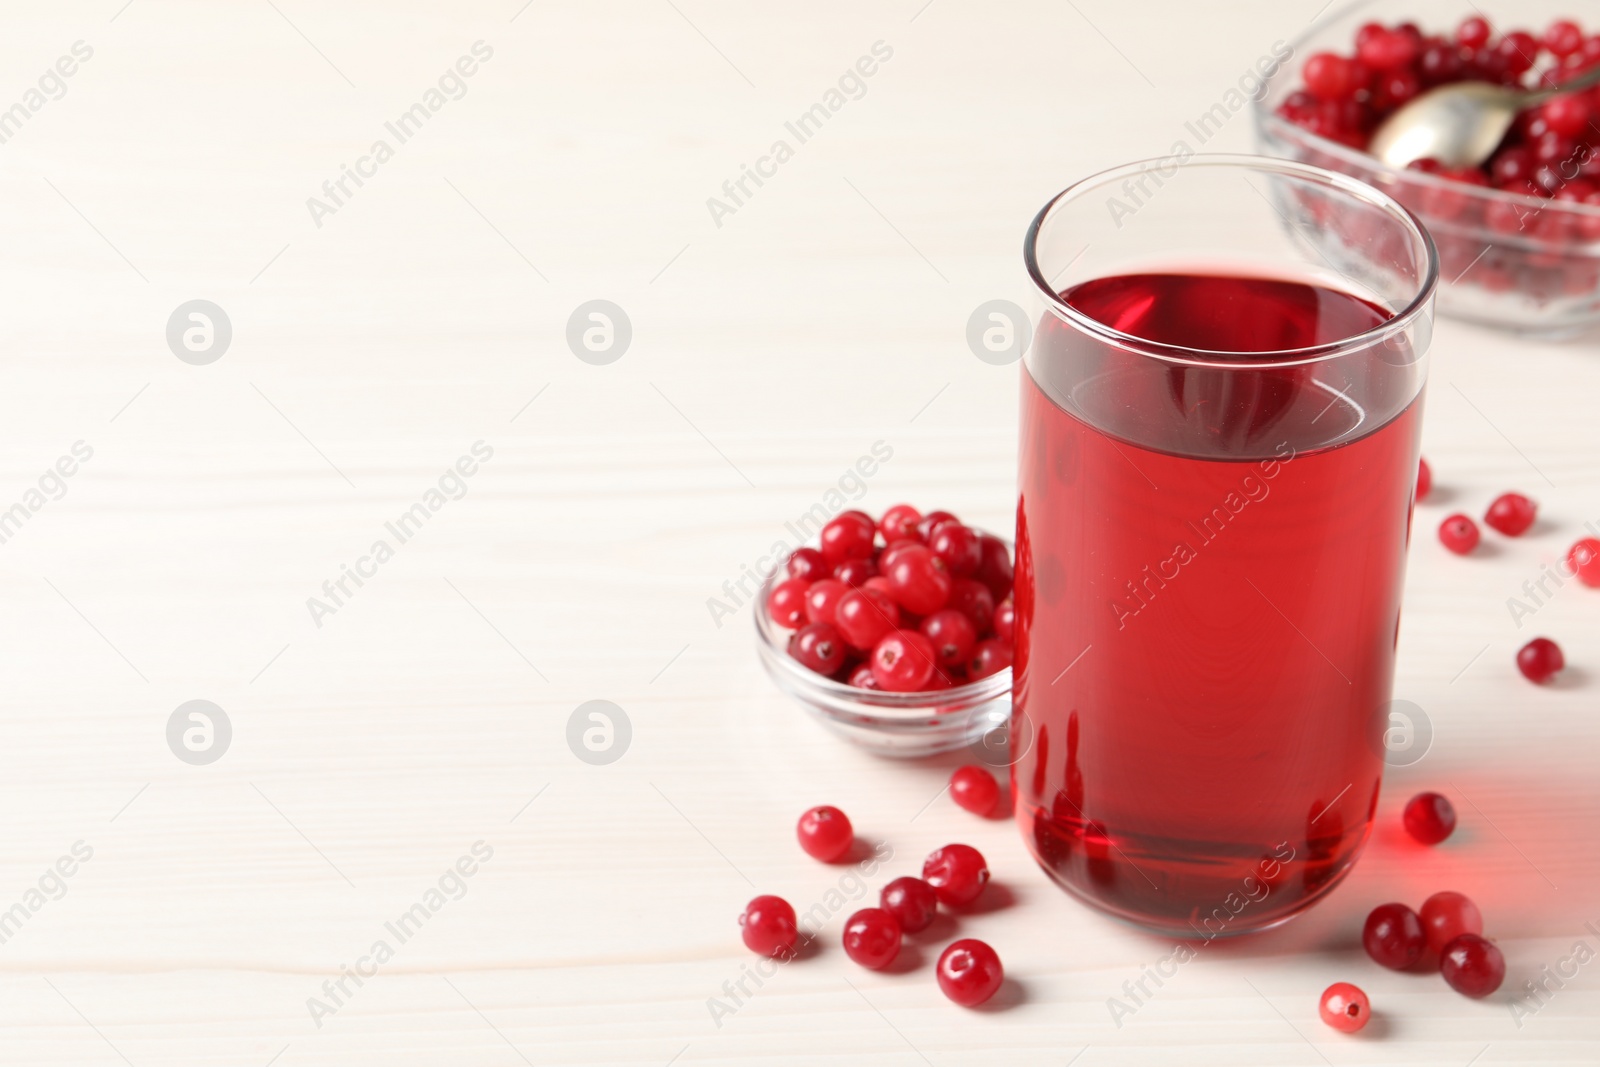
(1220, 416)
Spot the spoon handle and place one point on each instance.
(1581, 82)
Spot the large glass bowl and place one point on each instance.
(1543, 279)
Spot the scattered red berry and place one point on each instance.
(818, 647)
(930, 522)
(1393, 936)
(902, 662)
(1448, 915)
(1424, 479)
(975, 789)
(1473, 966)
(957, 873)
(1430, 818)
(969, 972)
(911, 901)
(768, 927)
(825, 833)
(1511, 514)
(872, 938)
(1459, 534)
(1583, 559)
(786, 604)
(1344, 1007)
(1540, 659)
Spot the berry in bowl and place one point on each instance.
(896, 633)
(1518, 237)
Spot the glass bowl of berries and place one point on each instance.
(895, 633)
(1519, 237)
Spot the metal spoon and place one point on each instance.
(1462, 124)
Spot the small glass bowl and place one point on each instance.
(902, 725)
(1542, 281)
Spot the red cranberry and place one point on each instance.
(1511, 165)
(912, 902)
(1344, 1007)
(825, 833)
(822, 599)
(930, 522)
(995, 570)
(808, 565)
(1387, 50)
(1540, 659)
(1331, 77)
(768, 927)
(863, 678)
(786, 604)
(1440, 64)
(1430, 818)
(849, 536)
(864, 615)
(952, 636)
(1005, 622)
(1511, 514)
(1393, 936)
(818, 647)
(969, 972)
(892, 551)
(1563, 38)
(975, 789)
(1583, 559)
(1424, 478)
(959, 548)
(1395, 89)
(872, 938)
(1459, 534)
(973, 599)
(1569, 115)
(1473, 32)
(957, 873)
(1519, 49)
(1473, 966)
(855, 572)
(1448, 915)
(902, 662)
(899, 523)
(918, 580)
(991, 656)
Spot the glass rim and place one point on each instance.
(1397, 323)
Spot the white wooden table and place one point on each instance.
(428, 711)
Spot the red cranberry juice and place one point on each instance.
(1209, 569)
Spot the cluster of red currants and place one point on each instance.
(968, 971)
(1512, 514)
(1550, 151)
(1450, 927)
(908, 604)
